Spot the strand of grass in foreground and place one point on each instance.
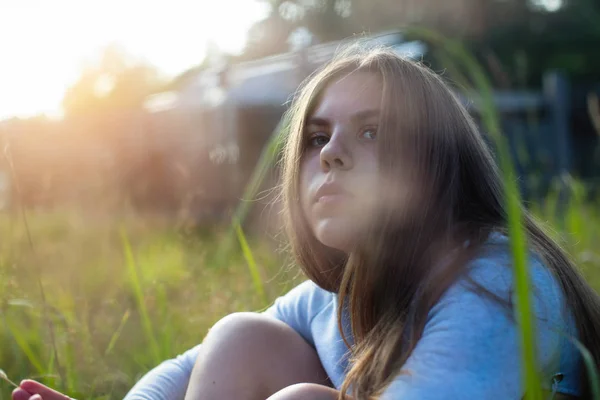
(38, 272)
(517, 238)
(139, 297)
(115, 336)
(7, 379)
(588, 361)
(113, 340)
(518, 241)
(590, 366)
(258, 284)
(24, 346)
(264, 165)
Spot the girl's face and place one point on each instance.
(339, 179)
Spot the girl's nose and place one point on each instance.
(335, 155)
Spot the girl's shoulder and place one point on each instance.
(486, 295)
(491, 274)
(493, 270)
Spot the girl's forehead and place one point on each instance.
(353, 93)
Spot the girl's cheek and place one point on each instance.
(306, 175)
(310, 164)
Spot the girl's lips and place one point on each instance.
(331, 192)
(332, 198)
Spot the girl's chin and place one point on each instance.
(337, 233)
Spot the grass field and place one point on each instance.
(121, 296)
(124, 295)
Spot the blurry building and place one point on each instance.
(214, 129)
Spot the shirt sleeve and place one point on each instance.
(299, 306)
(169, 380)
(470, 345)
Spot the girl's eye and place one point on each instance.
(369, 134)
(318, 140)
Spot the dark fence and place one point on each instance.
(551, 133)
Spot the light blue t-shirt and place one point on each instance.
(469, 348)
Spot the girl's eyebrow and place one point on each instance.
(359, 116)
(366, 114)
(316, 121)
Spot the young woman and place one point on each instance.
(395, 212)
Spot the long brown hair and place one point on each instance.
(387, 285)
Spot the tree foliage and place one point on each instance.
(516, 39)
(115, 82)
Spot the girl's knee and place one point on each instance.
(254, 335)
(247, 327)
(237, 320)
(268, 347)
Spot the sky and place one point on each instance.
(44, 44)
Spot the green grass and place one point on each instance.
(121, 305)
(123, 297)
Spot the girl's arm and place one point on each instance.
(168, 381)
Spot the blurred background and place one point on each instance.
(165, 107)
(131, 130)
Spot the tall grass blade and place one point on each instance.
(38, 274)
(5, 377)
(115, 336)
(23, 344)
(517, 237)
(139, 297)
(266, 161)
(592, 370)
(258, 284)
(50, 368)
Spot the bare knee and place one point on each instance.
(242, 323)
(259, 337)
(267, 348)
(251, 331)
(305, 391)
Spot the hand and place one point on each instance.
(32, 390)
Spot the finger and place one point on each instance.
(20, 394)
(34, 387)
(35, 397)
